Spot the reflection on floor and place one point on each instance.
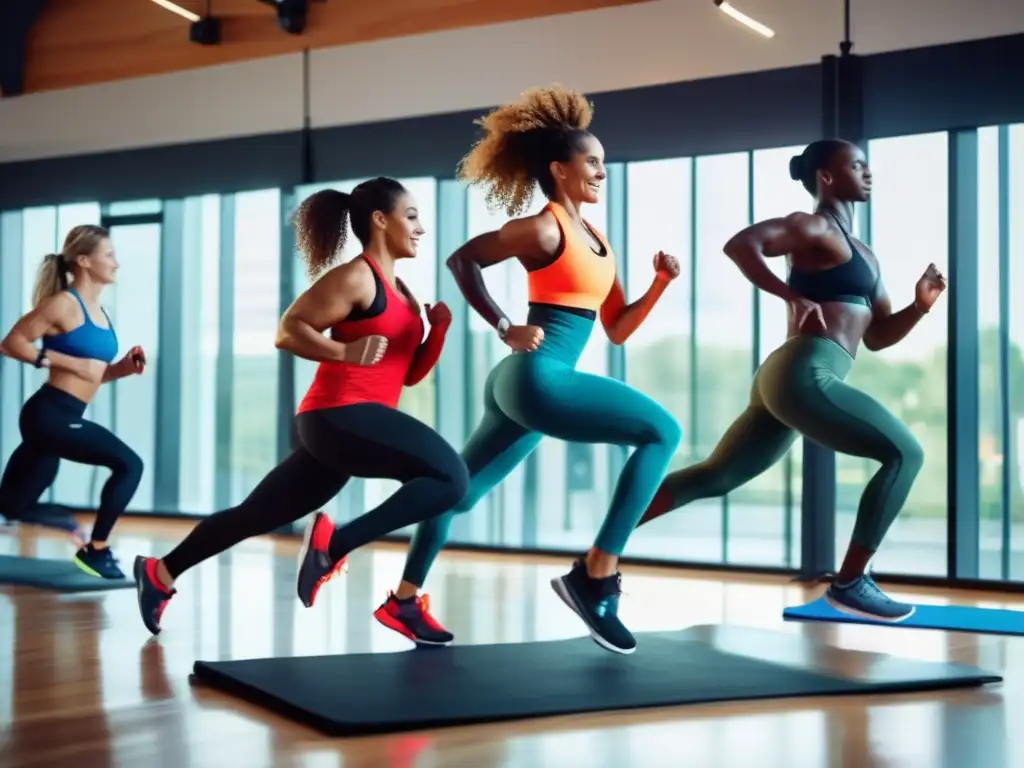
(80, 684)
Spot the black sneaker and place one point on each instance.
(412, 619)
(153, 596)
(98, 562)
(596, 601)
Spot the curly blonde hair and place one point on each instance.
(520, 142)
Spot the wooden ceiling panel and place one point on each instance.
(77, 42)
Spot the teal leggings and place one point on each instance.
(541, 393)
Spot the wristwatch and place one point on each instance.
(503, 326)
(41, 359)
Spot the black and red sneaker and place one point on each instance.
(411, 618)
(153, 596)
(315, 564)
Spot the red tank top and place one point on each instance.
(336, 384)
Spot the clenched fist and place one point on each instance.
(929, 288)
(366, 351)
(667, 267)
(439, 314)
(524, 338)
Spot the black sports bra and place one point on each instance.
(852, 282)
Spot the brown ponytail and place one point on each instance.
(321, 228)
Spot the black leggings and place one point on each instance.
(52, 428)
(336, 444)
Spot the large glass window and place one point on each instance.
(909, 229)
(1015, 322)
(1000, 345)
(200, 341)
(724, 351)
(658, 354)
(991, 398)
(257, 299)
(130, 403)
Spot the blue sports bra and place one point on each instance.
(88, 340)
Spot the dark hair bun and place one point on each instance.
(796, 167)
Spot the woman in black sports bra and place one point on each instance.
(837, 301)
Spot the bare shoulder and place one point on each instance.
(59, 306)
(354, 275)
(537, 234)
(810, 225)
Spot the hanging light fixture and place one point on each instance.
(743, 19)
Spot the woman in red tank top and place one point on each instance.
(347, 423)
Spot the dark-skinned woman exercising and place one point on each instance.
(837, 301)
(542, 140)
(348, 424)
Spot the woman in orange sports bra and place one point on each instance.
(542, 140)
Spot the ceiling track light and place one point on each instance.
(204, 30)
(742, 18)
(175, 8)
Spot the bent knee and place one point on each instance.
(911, 454)
(904, 451)
(665, 430)
(453, 475)
(457, 482)
(476, 489)
(129, 465)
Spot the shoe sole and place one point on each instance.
(86, 569)
(398, 628)
(864, 614)
(139, 572)
(562, 590)
(307, 540)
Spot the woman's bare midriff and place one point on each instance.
(845, 324)
(77, 386)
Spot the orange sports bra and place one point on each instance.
(578, 278)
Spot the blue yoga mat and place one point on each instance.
(955, 618)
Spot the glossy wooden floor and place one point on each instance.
(82, 685)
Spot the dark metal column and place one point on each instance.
(962, 473)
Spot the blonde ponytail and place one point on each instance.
(52, 277)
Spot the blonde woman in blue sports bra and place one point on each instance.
(78, 348)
